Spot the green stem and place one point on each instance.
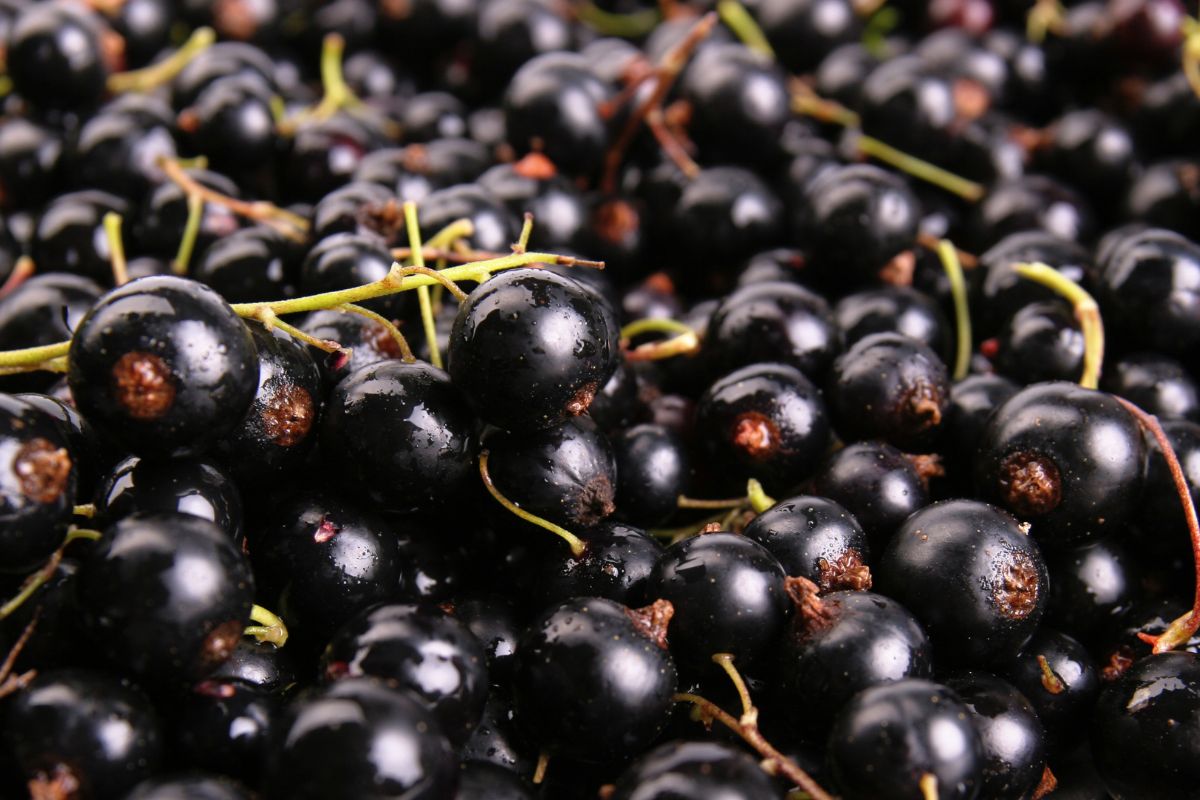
(270, 627)
(760, 501)
(921, 169)
(625, 26)
(526, 231)
(116, 248)
(418, 256)
(267, 317)
(656, 325)
(406, 353)
(33, 356)
(396, 282)
(738, 19)
(962, 312)
(191, 230)
(87, 510)
(578, 546)
(147, 78)
(683, 344)
(1087, 312)
(38, 579)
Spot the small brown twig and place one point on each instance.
(293, 226)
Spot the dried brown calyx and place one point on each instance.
(652, 621)
(756, 434)
(1017, 591)
(42, 470)
(847, 572)
(219, 644)
(59, 784)
(1030, 483)
(921, 406)
(615, 221)
(899, 270)
(535, 166)
(812, 614)
(288, 415)
(581, 400)
(595, 501)
(144, 385)
(928, 466)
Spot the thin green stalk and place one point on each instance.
(191, 230)
(919, 168)
(578, 546)
(626, 26)
(739, 20)
(161, 73)
(116, 248)
(962, 312)
(760, 501)
(418, 256)
(655, 325)
(270, 627)
(1087, 312)
(406, 353)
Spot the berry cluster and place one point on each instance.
(332, 466)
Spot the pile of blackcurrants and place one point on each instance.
(332, 466)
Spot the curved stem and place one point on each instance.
(442, 281)
(270, 627)
(335, 93)
(962, 311)
(406, 353)
(738, 19)
(147, 78)
(22, 271)
(10, 683)
(683, 344)
(775, 760)
(725, 662)
(808, 103)
(928, 785)
(654, 325)
(293, 226)
(116, 248)
(423, 300)
(1086, 312)
(267, 317)
(666, 72)
(38, 579)
(1183, 628)
(626, 26)
(577, 545)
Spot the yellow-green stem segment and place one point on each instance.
(270, 627)
(423, 299)
(577, 545)
(1087, 312)
(962, 311)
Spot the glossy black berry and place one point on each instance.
(889, 387)
(976, 581)
(1092, 585)
(530, 349)
(817, 539)
(226, 726)
(321, 560)
(889, 738)
(43, 310)
(1143, 730)
(728, 595)
(652, 471)
(249, 265)
(1067, 459)
(166, 595)
(876, 483)
(773, 321)
(359, 738)
(837, 645)
(279, 428)
(418, 649)
(765, 421)
(724, 213)
(1014, 748)
(694, 769)
(401, 434)
(480, 780)
(894, 309)
(594, 680)
(54, 56)
(1056, 673)
(37, 485)
(566, 474)
(1157, 384)
(1042, 342)
(187, 486)
(617, 563)
(70, 233)
(163, 365)
(83, 729)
